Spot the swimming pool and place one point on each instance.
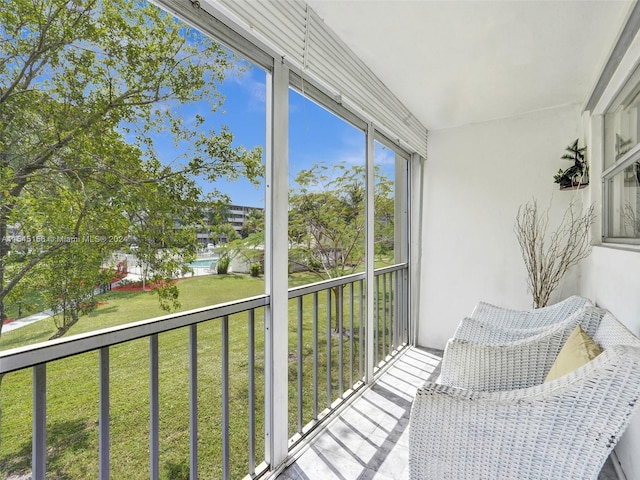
(204, 263)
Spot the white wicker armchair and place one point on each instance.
(493, 367)
(564, 429)
(487, 333)
(540, 317)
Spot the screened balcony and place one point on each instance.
(470, 106)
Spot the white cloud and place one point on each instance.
(243, 75)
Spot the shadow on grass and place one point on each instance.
(11, 341)
(102, 310)
(120, 294)
(230, 276)
(175, 471)
(20, 339)
(61, 437)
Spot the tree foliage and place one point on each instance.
(327, 220)
(87, 90)
(72, 293)
(249, 246)
(253, 223)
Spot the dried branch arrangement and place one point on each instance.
(547, 257)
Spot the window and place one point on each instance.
(390, 203)
(141, 172)
(150, 198)
(327, 193)
(622, 165)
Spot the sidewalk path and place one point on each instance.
(21, 322)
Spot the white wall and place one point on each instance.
(475, 179)
(611, 277)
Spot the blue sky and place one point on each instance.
(315, 135)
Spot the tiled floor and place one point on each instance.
(370, 439)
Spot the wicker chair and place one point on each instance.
(563, 429)
(478, 331)
(493, 366)
(540, 317)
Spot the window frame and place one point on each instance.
(613, 166)
(623, 163)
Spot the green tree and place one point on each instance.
(223, 234)
(327, 219)
(214, 211)
(254, 222)
(250, 248)
(69, 283)
(87, 89)
(249, 245)
(225, 237)
(384, 220)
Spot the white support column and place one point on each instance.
(401, 247)
(276, 266)
(401, 241)
(369, 255)
(416, 206)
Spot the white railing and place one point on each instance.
(330, 344)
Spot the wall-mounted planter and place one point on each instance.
(574, 183)
(577, 175)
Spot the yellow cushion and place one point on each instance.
(578, 350)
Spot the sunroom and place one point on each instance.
(451, 116)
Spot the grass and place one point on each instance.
(120, 307)
(72, 387)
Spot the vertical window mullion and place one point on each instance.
(369, 255)
(276, 266)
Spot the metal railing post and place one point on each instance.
(39, 441)
(193, 402)
(252, 392)
(154, 409)
(225, 398)
(104, 421)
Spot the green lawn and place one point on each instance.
(72, 387)
(119, 307)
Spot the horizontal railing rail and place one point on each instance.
(296, 292)
(31, 355)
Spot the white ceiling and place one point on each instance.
(454, 62)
